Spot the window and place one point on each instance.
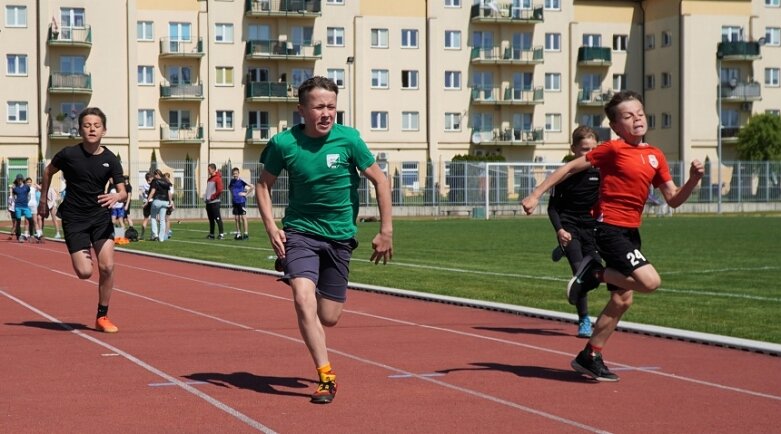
(667, 79)
(340, 117)
(224, 76)
(667, 39)
(619, 42)
(650, 42)
(17, 112)
(409, 38)
(552, 5)
(145, 31)
(651, 121)
(453, 39)
(730, 118)
(224, 119)
(301, 75)
(552, 122)
(452, 121)
(179, 32)
(650, 82)
(773, 36)
(593, 121)
(667, 120)
(772, 3)
(774, 112)
(17, 64)
(379, 78)
(452, 79)
(337, 75)
(335, 36)
(16, 16)
(771, 77)
(452, 3)
(334, 2)
(553, 42)
(223, 32)
(379, 38)
(409, 174)
(146, 118)
(553, 81)
(731, 34)
(592, 40)
(409, 79)
(379, 120)
(146, 74)
(410, 121)
(619, 82)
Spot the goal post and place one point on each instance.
(503, 185)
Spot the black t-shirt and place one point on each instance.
(87, 176)
(574, 197)
(161, 189)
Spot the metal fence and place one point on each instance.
(446, 187)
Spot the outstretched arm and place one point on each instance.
(382, 244)
(675, 196)
(577, 165)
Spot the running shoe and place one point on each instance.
(103, 324)
(584, 327)
(237, 237)
(326, 391)
(210, 237)
(245, 237)
(593, 366)
(584, 280)
(557, 254)
(221, 237)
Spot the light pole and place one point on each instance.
(719, 56)
(350, 61)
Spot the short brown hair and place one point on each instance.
(92, 111)
(583, 132)
(625, 95)
(314, 83)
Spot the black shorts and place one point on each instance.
(239, 209)
(620, 248)
(147, 210)
(81, 234)
(324, 262)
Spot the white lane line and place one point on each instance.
(169, 378)
(191, 383)
(428, 374)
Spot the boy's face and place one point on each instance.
(319, 112)
(92, 129)
(630, 124)
(584, 146)
(235, 174)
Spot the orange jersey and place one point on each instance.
(627, 173)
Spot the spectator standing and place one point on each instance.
(239, 191)
(214, 189)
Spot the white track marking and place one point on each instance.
(135, 360)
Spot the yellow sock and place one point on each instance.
(325, 373)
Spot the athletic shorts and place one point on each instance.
(239, 209)
(23, 211)
(118, 212)
(324, 262)
(83, 234)
(147, 210)
(620, 248)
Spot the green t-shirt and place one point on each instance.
(323, 178)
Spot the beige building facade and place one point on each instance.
(213, 80)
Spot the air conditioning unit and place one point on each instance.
(746, 106)
(382, 156)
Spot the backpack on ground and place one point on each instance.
(131, 234)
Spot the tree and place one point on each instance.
(760, 139)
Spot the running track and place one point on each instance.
(203, 349)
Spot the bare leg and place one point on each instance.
(312, 315)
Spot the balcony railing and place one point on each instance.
(279, 49)
(731, 91)
(594, 97)
(738, 50)
(270, 91)
(182, 134)
(259, 135)
(599, 56)
(508, 96)
(176, 48)
(283, 8)
(64, 128)
(506, 55)
(182, 92)
(70, 36)
(505, 12)
(508, 136)
(60, 82)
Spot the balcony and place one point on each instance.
(284, 50)
(506, 56)
(730, 134)
(70, 83)
(733, 91)
(283, 8)
(738, 51)
(496, 12)
(594, 97)
(70, 37)
(270, 92)
(181, 49)
(181, 92)
(508, 137)
(183, 134)
(259, 136)
(595, 56)
(508, 96)
(63, 128)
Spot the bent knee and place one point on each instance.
(84, 274)
(330, 321)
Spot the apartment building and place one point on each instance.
(213, 80)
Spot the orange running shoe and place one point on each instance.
(326, 389)
(103, 324)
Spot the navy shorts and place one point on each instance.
(118, 212)
(325, 262)
(239, 209)
(620, 248)
(83, 234)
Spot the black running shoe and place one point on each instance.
(593, 366)
(325, 393)
(584, 280)
(557, 254)
(210, 237)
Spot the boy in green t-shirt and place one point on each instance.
(323, 161)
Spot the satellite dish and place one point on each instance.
(733, 82)
(477, 138)
(762, 41)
